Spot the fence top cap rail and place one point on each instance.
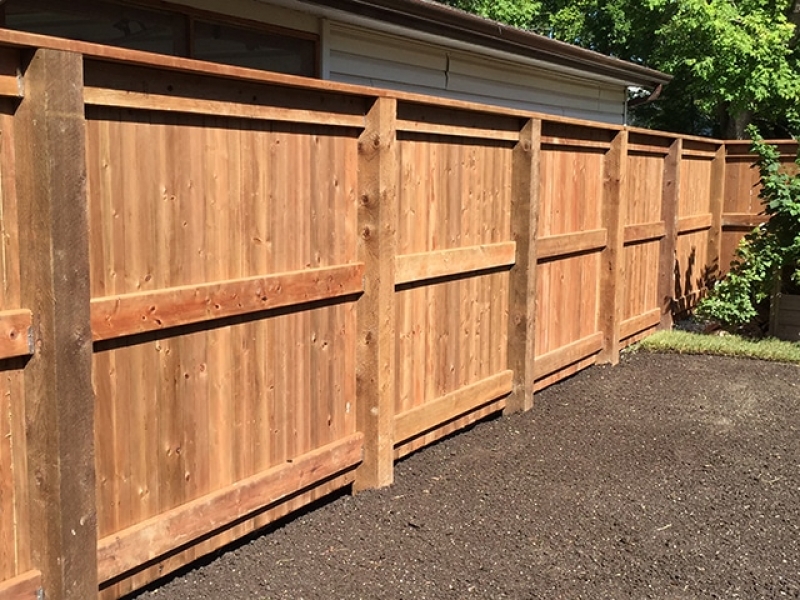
(676, 136)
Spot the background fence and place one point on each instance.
(227, 293)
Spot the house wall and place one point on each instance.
(363, 56)
(357, 55)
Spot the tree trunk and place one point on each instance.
(793, 15)
(736, 124)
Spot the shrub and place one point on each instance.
(767, 259)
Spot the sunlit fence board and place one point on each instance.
(568, 284)
(645, 231)
(15, 550)
(178, 200)
(453, 199)
(694, 223)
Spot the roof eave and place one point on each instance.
(439, 19)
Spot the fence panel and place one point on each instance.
(742, 209)
(695, 218)
(16, 569)
(644, 233)
(570, 237)
(224, 270)
(454, 252)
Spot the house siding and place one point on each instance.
(381, 60)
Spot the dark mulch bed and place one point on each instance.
(667, 477)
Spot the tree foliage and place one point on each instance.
(733, 62)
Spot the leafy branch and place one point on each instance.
(768, 259)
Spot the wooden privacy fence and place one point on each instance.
(228, 293)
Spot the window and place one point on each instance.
(236, 46)
(173, 32)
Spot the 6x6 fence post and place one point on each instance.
(522, 297)
(59, 401)
(377, 225)
(612, 276)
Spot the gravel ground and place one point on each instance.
(669, 477)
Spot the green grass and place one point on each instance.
(684, 342)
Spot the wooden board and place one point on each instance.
(149, 539)
(16, 335)
(448, 407)
(15, 541)
(185, 412)
(456, 261)
(27, 586)
(128, 314)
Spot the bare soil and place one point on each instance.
(670, 477)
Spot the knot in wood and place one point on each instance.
(366, 233)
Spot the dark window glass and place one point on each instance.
(115, 24)
(258, 50)
(99, 22)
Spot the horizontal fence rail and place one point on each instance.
(230, 293)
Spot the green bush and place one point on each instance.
(768, 259)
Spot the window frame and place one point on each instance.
(191, 15)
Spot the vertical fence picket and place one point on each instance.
(669, 214)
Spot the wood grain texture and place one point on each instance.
(670, 193)
(694, 223)
(128, 314)
(188, 411)
(414, 126)
(568, 285)
(197, 199)
(571, 243)
(151, 538)
(59, 410)
(744, 221)
(16, 335)
(15, 548)
(613, 270)
(434, 413)
(716, 206)
(522, 278)
(455, 261)
(639, 323)
(644, 232)
(568, 354)
(144, 101)
(27, 586)
(377, 227)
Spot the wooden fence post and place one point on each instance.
(669, 214)
(713, 255)
(54, 272)
(612, 258)
(377, 225)
(522, 297)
